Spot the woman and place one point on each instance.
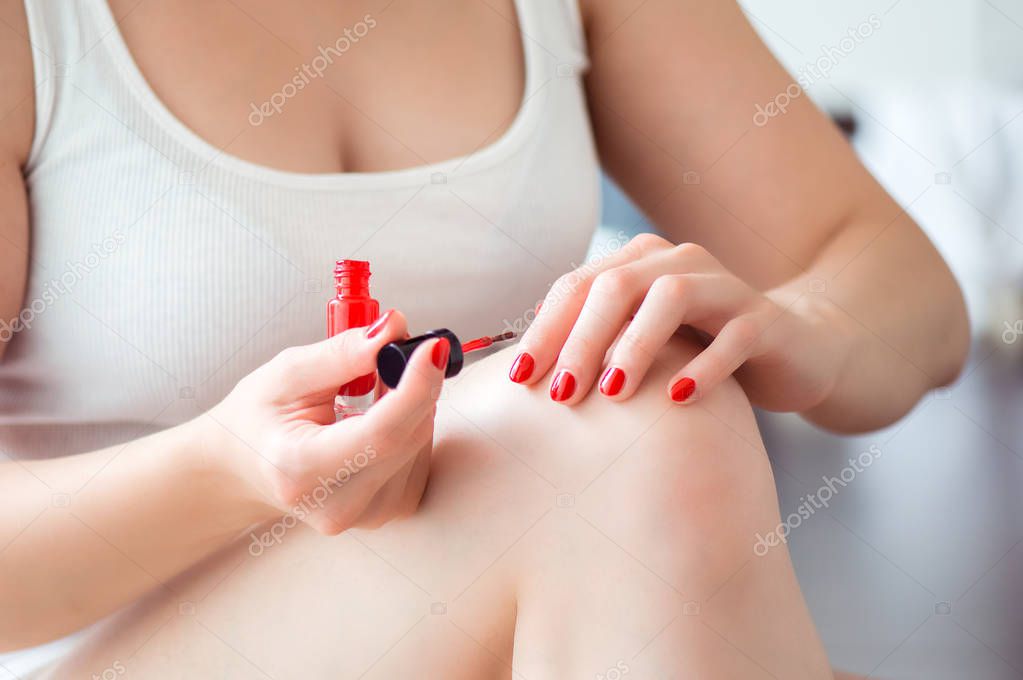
(179, 177)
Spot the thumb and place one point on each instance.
(328, 364)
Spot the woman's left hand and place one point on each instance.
(634, 301)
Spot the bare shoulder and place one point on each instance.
(601, 18)
(17, 93)
(17, 124)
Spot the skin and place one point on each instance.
(664, 512)
(777, 208)
(781, 211)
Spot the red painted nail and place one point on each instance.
(613, 381)
(378, 325)
(441, 351)
(563, 386)
(683, 389)
(538, 306)
(521, 368)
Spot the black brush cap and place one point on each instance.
(394, 357)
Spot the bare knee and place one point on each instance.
(671, 481)
(652, 509)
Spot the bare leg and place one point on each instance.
(600, 540)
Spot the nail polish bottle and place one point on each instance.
(352, 307)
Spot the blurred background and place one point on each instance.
(915, 567)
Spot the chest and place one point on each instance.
(321, 86)
(212, 260)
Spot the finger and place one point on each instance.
(672, 301)
(613, 298)
(328, 364)
(374, 466)
(413, 474)
(419, 387)
(340, 489)
(723, 356)
(415, 485)
(399, 495)
(347, 504)
(541, 343)
(385, 504)
(389, 423)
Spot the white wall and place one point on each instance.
(919, 44)
(1001, 30)
(937, 86)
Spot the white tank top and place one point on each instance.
(163, 269)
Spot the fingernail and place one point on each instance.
(563, 386)
(521, 368)
(683, 389)
(612, 381)
(440, 354)
(378, 325)
(538, 306)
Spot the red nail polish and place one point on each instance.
(563, 386)
(353, 307)
(440, 354)
(613, 381)
(538, 306)
(683, 389)
(521, 368)
(378, 325)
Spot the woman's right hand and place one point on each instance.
(276, 434)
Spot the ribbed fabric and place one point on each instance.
(163, 270)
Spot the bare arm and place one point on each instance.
(86, 534)
(83, 535)
(136, 515)
(673, 89)
(17, 110)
